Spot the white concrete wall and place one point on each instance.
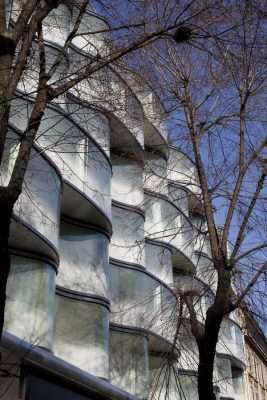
(127, 181)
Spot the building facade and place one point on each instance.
(255, 358)
(104, 236)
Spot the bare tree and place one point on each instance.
(211, 77)
(43, 76)
(215, 91)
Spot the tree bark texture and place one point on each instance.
(207, 352)
(6, 208)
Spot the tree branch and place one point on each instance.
(240, 236)
(250, 285)
(193, 316)
(250, 251)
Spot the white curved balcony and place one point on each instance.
(105, 90)
(29, 80)
(30, 301)
(84, 262)
(155, 172)
(83, 164)
(159, 261)
(127, 242)
(81, 335)
(182, 170)
(56, 26)
(139, 300)
(127, 181)
(156, 133)
(35, 225)
(92, 36)
(128, 361)
(165, 223)
(229, 379)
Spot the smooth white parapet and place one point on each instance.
(105, 89)
(127, 242)
(127, 181)
(30, 301)
(138, 300)
(56, 26)
(92, 36)
(159, 262)
(84, 260)
(231, 340)
(182, 170)
(81, 162)
(128, 361)
(81, 335)
(155, 173)
(152, 107)
(39, 203)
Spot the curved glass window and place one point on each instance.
(155, 173)
(83, 260)
(159, 262)
(81, 335)
(129, 362)
(163, 378)
(30, 301)
(139, 300)
(127, 242)
(180, 198)
(188, 387)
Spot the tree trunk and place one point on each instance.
(207, 352)
(6, 208)
(7, 50)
